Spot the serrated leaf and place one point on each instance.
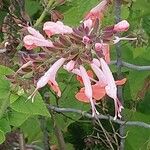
(36, 108)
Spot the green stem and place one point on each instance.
(40, 19)
(58, 133)
(4, 106)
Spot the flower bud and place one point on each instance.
(121, 26)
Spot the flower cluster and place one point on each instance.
(75, 48)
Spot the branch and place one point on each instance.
(44, 13)
(132, 66)
(105, 117)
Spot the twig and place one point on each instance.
(34, 147)
(106, 134)
(40, 19)
(21, 141)
(132, 66)
(88, 115)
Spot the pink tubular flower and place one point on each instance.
(111, 89)
(96, 62)
(88, 89)
(100, 75)
(121, 26)
(104, 48)
(86, 40)
(49, 77)
(35, 33)
(52, 28)
(97, 12)
(88, 24)
(69, 66)
(31, 42)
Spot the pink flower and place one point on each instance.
(86, 40)
(100, 75)
(97, 12)
(35, 33)
(88, 89)
(121, 26)
(49, 77)
(35, 39)
(111, 89)
(104, 48)
(70, 65)
(88, 24)
(96, 62)
(31, 42)
(52, 28)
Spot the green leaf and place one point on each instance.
(32, 7)
(36, 108)
(146, 24)
(4, 125)
(32, 130)
(124, 12)
(77, 11)
(5, 70)
(4, 87)
(144, 105)
(2, 137)
(17, 119)
(136, 81)
(138, 137)
(138, 51)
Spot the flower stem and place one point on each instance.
(40, 19)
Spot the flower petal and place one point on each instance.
(58, 27)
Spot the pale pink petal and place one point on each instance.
(35, 33)
(88, 24)
(111, 89)
(88, 89)
(49, 76)
(86, 40)
(104, 48)
(121, 26)
(100, 75)
(96, 62)
(70, 65)
(52, 28)
(97, 12)
(32, 42)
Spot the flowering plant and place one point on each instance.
(74, 48)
